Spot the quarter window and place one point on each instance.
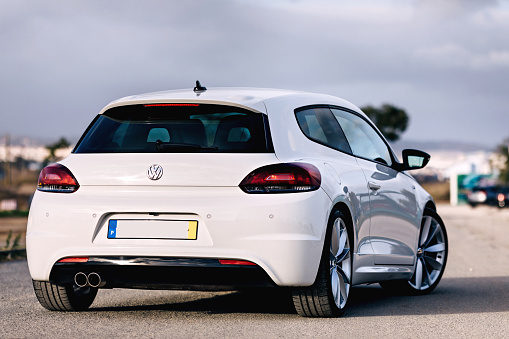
(319, 125)
(362, 137)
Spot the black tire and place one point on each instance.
(334, 274)
(64, 298)
(431, 258)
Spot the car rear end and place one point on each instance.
(503, 197)
(177, 195)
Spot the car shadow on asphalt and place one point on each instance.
(452, 296)
(268, 301)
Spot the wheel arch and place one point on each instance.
(343, 208)
(431, 205)
(319, 299)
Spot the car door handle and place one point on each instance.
(373, 186)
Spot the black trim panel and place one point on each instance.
(164, 273)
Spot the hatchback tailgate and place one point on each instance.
(190, 170)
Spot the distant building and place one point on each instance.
(446, 164)
(30, 153)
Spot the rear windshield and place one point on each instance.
(177, 128)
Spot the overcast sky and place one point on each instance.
(445, 61)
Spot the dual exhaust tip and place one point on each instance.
(92, 279)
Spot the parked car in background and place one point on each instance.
(488, 195)
(233, 188)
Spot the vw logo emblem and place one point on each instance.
(155, 172)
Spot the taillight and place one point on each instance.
(57, 178)
(282, 178)
(501, 197)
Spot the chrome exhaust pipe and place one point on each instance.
(80, 279)
(94, 279)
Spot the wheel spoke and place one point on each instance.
(425, 230)
(418, 275)
(343, 255)
(342, 291)
(332, 257)
(342, 242)
(431, 236)
(335, 286)
(343, 275)
(428, 278)
(435, 248)
(433, 263)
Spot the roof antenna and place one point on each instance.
(199, 87)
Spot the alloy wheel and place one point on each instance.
(340, 263)
(431, 255)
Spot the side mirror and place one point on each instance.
(414, 159)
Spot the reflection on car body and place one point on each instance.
(488, 195)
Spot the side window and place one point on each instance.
(363, 139)
(319, 125)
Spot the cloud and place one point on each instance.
(450, 9)
(455, 56)
(492, 59)
(62, 61)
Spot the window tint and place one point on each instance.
(363, 139)
(319, 125)
(158, 134)
(175, 129)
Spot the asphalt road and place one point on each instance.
(472, 301)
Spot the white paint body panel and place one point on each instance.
(232, 224)
(282, 233)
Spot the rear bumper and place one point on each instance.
(164, 273)
(282, 234)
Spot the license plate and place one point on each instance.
(152, 229)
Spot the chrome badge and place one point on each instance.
(155, 172)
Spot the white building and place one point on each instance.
(31, 153)
(447, 164)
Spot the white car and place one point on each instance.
(231, 188)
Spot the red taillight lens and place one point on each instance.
(74, 260)
(57, 178)
(282, 178)
(501, 197)
(171, 105)
(236, 262)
